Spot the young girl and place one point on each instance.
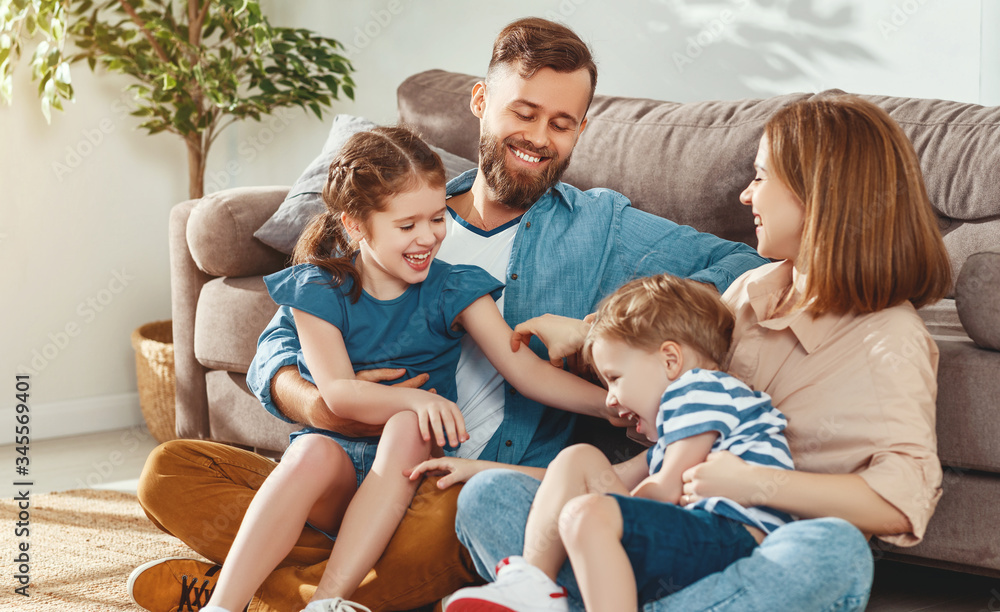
(386, 303)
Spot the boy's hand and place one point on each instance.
(562, 336)
(652, 488)
(441, 417)
(453, 470)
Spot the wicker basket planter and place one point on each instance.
(154, 368)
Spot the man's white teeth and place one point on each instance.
(417, 257)
(527, 157)
(757, 221)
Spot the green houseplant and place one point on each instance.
(198, 66)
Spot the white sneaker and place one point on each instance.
(519, 587)
(337, 604)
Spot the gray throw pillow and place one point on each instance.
(305, 199)
(977, 297)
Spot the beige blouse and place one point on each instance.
(858, 390)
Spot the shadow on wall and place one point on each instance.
(759, 48)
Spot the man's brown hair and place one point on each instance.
(647, 312)
(870, 238)
(533, 43)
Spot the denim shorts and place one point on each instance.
(670, 547)
(361, 452)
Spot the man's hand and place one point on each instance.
(386, 374)
(300, 400)
(562, 336)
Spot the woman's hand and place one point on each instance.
(722, 474)
(562, 336)
(441, 417)
(452, 470)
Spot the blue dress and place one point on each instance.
(413, 331)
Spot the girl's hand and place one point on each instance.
(441, 417)
(651, 488)
(452, 469)
(723, 474)
(562, 336)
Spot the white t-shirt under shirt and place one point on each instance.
(480, 386)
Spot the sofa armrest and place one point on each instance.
(186, 281)
(977, 298)
(211, 237)
(220, 232)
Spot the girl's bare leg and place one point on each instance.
(591, 529)
(576, 471)
(376, 509)
(315, 479)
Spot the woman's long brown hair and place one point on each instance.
(870, 238)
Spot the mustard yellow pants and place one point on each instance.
(198, 492)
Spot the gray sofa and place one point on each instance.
(687, 162)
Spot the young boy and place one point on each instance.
(626, 537)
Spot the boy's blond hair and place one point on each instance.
(647, 312)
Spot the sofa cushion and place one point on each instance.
(963, 529)
(941, 319)
(220, 232)
(305, 198)
(977, 294)
(968, 416)
(237, 416)
(955, 143)
(968, 420)
(232, 313)
(686, 162)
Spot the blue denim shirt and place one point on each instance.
(572, 248)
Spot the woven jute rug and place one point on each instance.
(82, 545)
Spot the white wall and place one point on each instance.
(84, 204)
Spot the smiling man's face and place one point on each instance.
(528, 130)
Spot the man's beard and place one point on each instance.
(516, 189)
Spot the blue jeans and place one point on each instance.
(819, 565)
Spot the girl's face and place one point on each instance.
(398, 244)
(777, 212)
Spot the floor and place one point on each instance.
(113, 460)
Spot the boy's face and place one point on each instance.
(636, 379)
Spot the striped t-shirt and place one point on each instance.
(748, 425)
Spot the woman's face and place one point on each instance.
(777, 212)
